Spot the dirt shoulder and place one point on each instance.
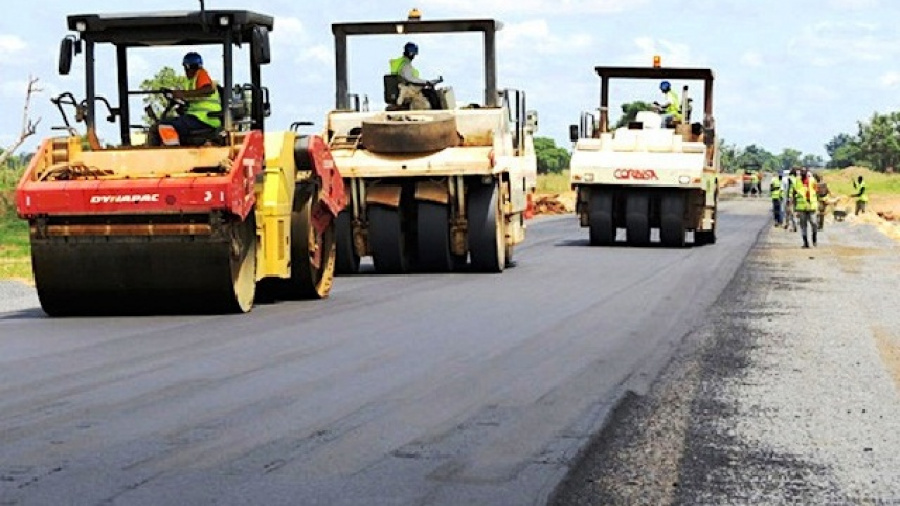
(789, 394)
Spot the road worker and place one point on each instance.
(776, 194)
(204, 106)
(787, 192)
(822, 193)
(806, 205)
(416, 93)
(862, 196)
(754, 184)
(671, 106)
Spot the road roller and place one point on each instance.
(208, 221)
(440, 189)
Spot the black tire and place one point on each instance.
(637, 218)
(708, 237)
(487, 238)
(347, 260)
(405, 133)
(388, 240)
(433, 235)
(309, 281)
(602, 230)
(671, 218)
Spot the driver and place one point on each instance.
(671, 107)
(202, 97)
(419, 93)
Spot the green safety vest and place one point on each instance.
(864, 195)
(398, 63)
(802, 203)
(754, 178)
(775, 189)
(201, 107)
(674, 107)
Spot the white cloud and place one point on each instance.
(834, 43)
(14, 89)
(853, 4)
(10, 47)
(752, 59)
(672, 54)
(535, 36)
(292, 39)
(558, 7)
(890, 79)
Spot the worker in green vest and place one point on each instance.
(862, 196)
(754, 184)
(775, 193)
(806, 203)
(823, 194)
(671, 106)
(415, 93)
(204, 105)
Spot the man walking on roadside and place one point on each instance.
(776, 194)
(787, 192)
(822, 193)
(806, 204)
(861, 195)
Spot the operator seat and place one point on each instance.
(391, 91)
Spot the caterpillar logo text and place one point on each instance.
(118, 199)
(645, 175)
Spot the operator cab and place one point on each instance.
(243, 105)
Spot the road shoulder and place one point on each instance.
(788, 394)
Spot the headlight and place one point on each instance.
(589, 177)
(81, 26)
(684, 179)
(224, 21)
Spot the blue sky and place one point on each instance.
(790, 73)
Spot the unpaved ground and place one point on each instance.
(788, 395)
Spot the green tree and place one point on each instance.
(756, 158)
(550, 157)
(165, 78)
(811, 160)
(879, 141)
(843, 150)
(630, 110)
(728, 154)
(789, 158)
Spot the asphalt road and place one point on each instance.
(423, 389)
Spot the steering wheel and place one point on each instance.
(172, 103)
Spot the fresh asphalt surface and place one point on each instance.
(404, 390)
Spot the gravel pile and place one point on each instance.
(788, 395)
(16, 296)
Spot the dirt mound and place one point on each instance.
(554, 203)
(729, 180)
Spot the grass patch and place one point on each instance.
(877, 183)
(553, 183)
(15, 251)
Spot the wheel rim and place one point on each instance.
(487, 240)
(308, 280)
(243, 265)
